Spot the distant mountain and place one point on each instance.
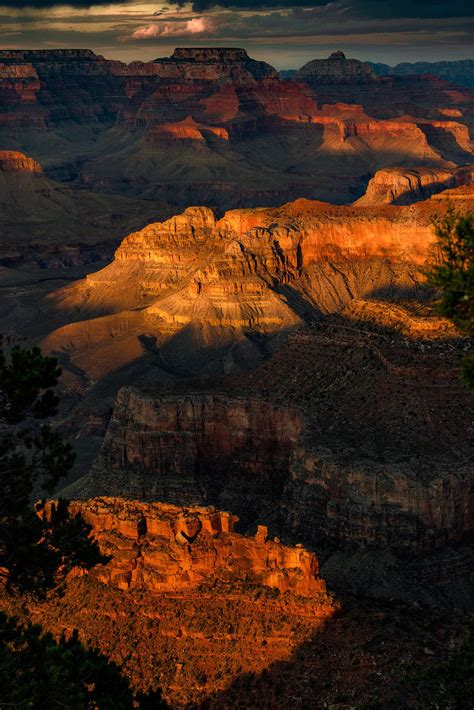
(460, 72)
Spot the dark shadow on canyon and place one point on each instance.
(368, 655)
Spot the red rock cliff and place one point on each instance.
(165, 548)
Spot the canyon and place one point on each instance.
(213, 126)
(253, 342)
(46, 223)
(274, 448)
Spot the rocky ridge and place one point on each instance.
(208, 296)
(403, 186)
(165, 548)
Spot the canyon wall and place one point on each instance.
(191, 448)
(51, 224)
(212, 125)
(204, 296)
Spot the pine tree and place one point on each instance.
(454, 277)
(34, 550)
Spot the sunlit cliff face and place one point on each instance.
(287, 35)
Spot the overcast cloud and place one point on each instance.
(285, 34)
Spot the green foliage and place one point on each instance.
(33, 457)
(38, 672)
(37, 549)
(454, 276)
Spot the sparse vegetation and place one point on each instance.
(448, 685)
(38, 672)
(454, 277)
(35, 549)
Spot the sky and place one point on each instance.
(286, 34)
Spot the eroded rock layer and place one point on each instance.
(165, 548)
(355, 435)
(212, 125)
(49, 224)
(209, 296)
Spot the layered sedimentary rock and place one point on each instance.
(333, 473)
(213, 125)
(165, 548)
(183, 602)
(198, 447)
(403, 186)
(356, 435)
(213, 64)
(14, 161)
(256, 273)
(209, 296)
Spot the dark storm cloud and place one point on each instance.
(44, 4)
(365, 8)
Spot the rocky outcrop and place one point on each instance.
(403, 186)
(187, 130)
(14, 161)
(185, 602)
(336, 68)
(209, 296)
(164, 548)
(213, 64)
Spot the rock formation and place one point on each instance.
(50, 224)
(287, 442)
(213, 64)
(403, 186)
(184, 602)
(212, 296)
(12, 161)
(335, 68)
(212, 125)
(164, 548)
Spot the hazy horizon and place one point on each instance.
(285, 34)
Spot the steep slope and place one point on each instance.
(401, 186)
(355, 436)
(200, 290)
(47, 223)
